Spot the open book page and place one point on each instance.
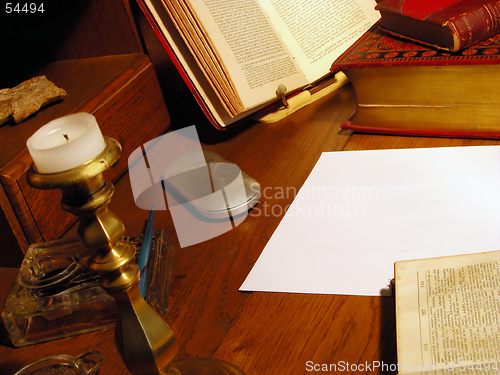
(253, 53)
(189, 65)
(318, 32)
(448, 313)
(204, 52)
(244, 57)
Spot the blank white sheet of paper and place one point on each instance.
(360, 211)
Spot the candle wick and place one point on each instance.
(66, 137)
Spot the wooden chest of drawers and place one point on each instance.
(122, 92)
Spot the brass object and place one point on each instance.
(145, 342)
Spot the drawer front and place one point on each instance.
(131, 109)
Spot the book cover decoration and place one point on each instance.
(379, 48)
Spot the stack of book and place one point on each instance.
(428, 68)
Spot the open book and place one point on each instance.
(235, 54)
(448, 314)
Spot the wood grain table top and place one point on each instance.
(262, 333)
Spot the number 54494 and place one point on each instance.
(24, 8)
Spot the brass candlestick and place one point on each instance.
(145, 342)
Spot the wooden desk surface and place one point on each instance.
(262, 333)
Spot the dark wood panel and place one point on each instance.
(82, 80)
(66, 30)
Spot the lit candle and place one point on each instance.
(66, 143)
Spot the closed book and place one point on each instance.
(448, 24)
(405, 88)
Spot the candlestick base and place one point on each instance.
(202, 366)
(146, 343)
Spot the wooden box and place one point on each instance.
(122, 92)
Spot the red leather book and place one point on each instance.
(448, 24)
(406, 88)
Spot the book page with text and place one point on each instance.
(318, 32)
(448, 313)
(250, 48)
(191, 71)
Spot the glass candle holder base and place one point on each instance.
(85, 364)
(56, 295)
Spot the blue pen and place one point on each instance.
(146, 253)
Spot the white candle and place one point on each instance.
(66, 143)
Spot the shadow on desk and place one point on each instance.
(388, 334)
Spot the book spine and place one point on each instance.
(348, 125)
(471, 25)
